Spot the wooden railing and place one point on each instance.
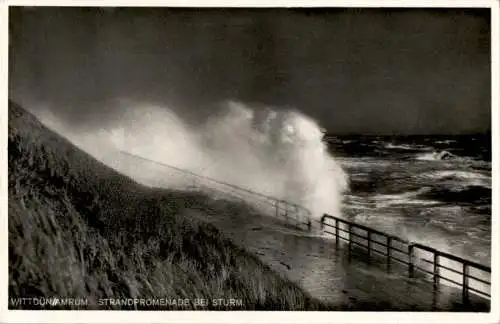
(441, 266)
(292, 213)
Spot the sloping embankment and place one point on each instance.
(79, 229)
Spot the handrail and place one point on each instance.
(363, 227)
(293, 208)
(200, 176)
(453, 257)
(466, 265)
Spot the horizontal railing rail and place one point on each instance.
(438, 260)
(392, 247)
(282, 208)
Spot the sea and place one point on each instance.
(435, 190)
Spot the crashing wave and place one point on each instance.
(276, 152)
(273, 151)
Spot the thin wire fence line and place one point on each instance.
(276, 202)
(207, 178)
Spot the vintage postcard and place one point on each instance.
(250, 162)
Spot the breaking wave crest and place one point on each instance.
(437, 156)
(275, 152)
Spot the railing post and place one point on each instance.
(277, 208)
(337, 238)
(436, 269)
(323, 222)
(369, 239)
(389, 241)
(410, 260)
(309, 225)
(350, 240)
(465, 288)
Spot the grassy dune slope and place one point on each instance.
(79, 229)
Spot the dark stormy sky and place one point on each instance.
(409, 71)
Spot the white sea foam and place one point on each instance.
(279, 153)
(463, 178)
(436, 156)
(363, 162)
(406, 147)
(445, 142)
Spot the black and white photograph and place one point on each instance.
(213, 160)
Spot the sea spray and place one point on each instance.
(276, 152)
